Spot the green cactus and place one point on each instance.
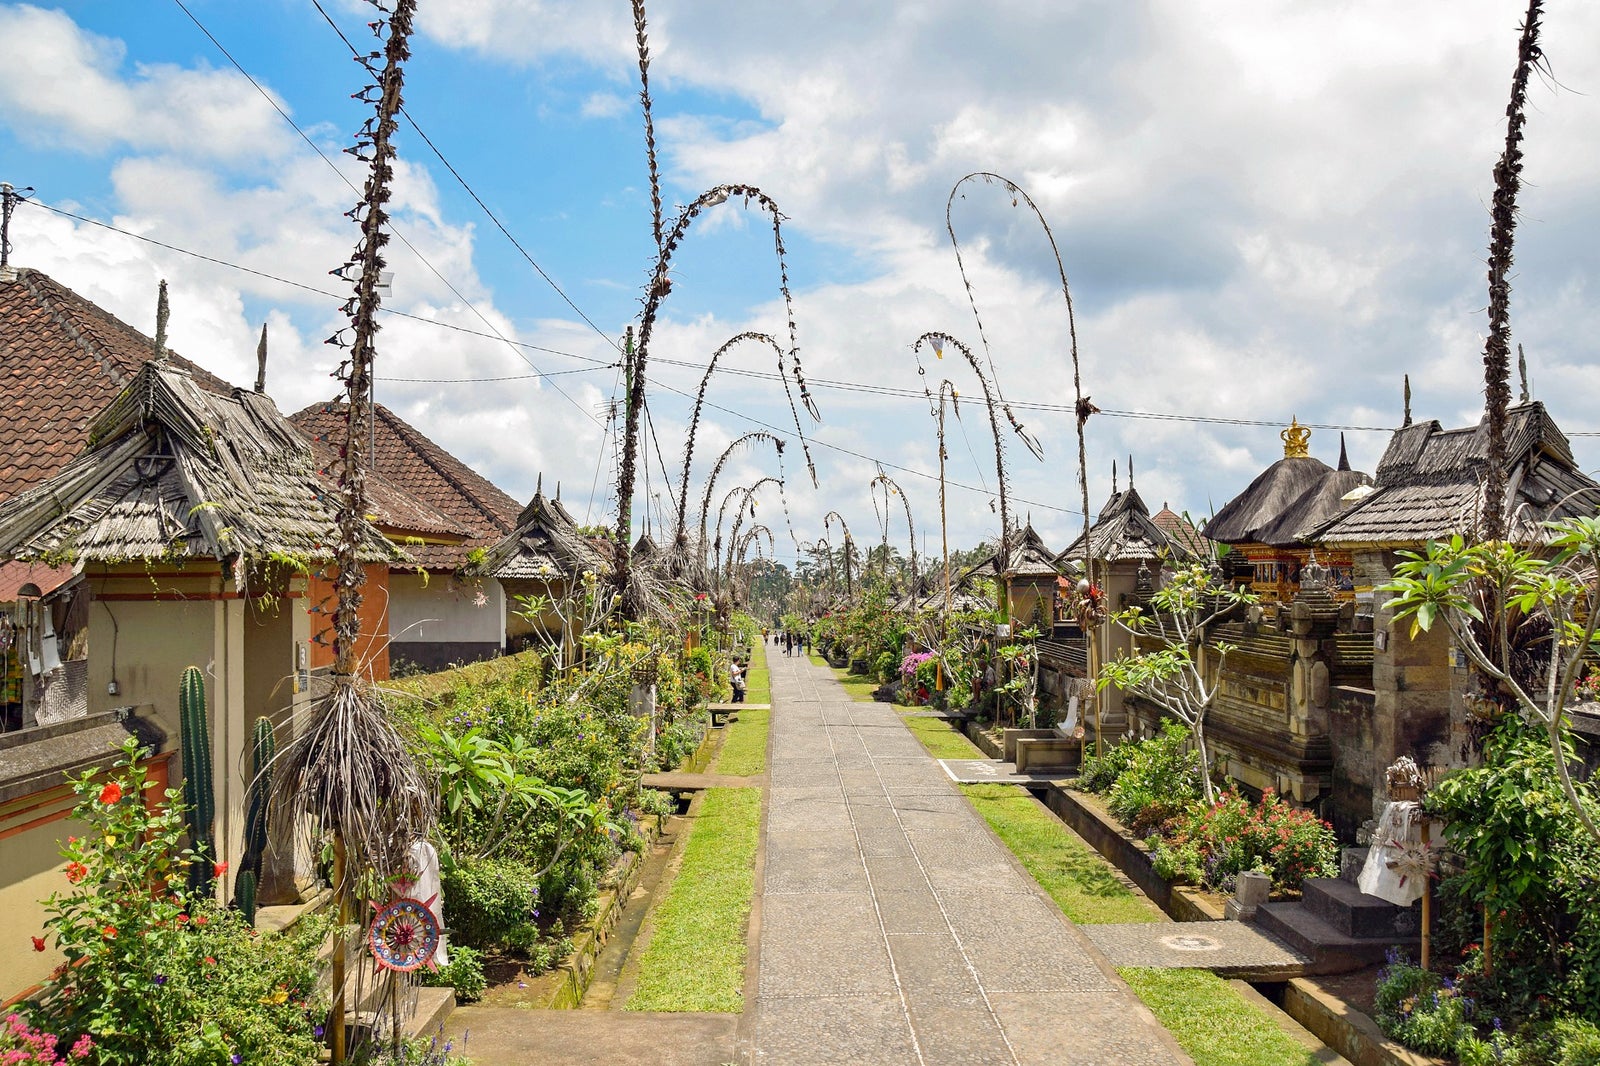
(244, 895)
(262, 749)
(198, 794)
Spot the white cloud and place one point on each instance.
(64, 86)
(1265, 210)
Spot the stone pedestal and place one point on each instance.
(1252, 891)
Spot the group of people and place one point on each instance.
(790, 641)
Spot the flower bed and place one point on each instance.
(1153, 788)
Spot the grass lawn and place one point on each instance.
(1212, 1022)
(859, 686)
(696, 957)
(1076, 876)
(942, 740)
(744, 749)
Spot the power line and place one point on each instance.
(599, 364)
(868, 458)
(392, 227)
(824, 383)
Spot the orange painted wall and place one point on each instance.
(372, 648)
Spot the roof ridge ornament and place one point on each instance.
(1296, 440)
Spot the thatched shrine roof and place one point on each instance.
(1125, 532)
(1029, 556)
(176, 471)
(1293, 495)
(545, 544)
(1430, 484)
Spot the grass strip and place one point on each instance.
(1077, 877)
(758, 685)
(696, 957)
(1212, 1022)
(942, 739)
(744, 749)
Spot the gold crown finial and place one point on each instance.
(1296, 440)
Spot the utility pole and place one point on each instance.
(8, 202)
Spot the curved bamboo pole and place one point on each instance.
(711, 482)
(937, 341)
(891, 486)
(699, 404)
(849, 545)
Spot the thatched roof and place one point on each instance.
(1030, 557)
(1125, 532)
(1430, 484)
(174, 470)
(546, 543)
(1294, 494)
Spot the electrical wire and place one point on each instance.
(394, 229)
(473, 193)
(825, 383)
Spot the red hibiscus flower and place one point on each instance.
(38, 943)
(218, 869)
(112, 793)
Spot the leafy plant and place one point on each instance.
(1212, 845)
(1183, 673)
(1489, 594)
(156, 975)
(464, 974)
(1162, 778)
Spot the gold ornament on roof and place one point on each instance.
(1296, 440)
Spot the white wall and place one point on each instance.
(435, 608)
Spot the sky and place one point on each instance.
(1266, 210)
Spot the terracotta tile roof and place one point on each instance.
(419, 487)
(62, 361)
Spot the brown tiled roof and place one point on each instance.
(419, 487)
(62, 361)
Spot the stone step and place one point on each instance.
(1354, 913)
(1330, 950)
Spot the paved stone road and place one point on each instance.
(895, 929)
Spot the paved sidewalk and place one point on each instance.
(895, 929)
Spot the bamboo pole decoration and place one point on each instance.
(357, 369)
(1502, 233)
(1427, 902)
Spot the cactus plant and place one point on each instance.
(244, 895)
(263, 748)
(198, 794)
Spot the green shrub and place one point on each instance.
(1422, 1010)
(464, 974)
(1161, 779)
(886, 667)
(1099, 772)
(485, 899)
